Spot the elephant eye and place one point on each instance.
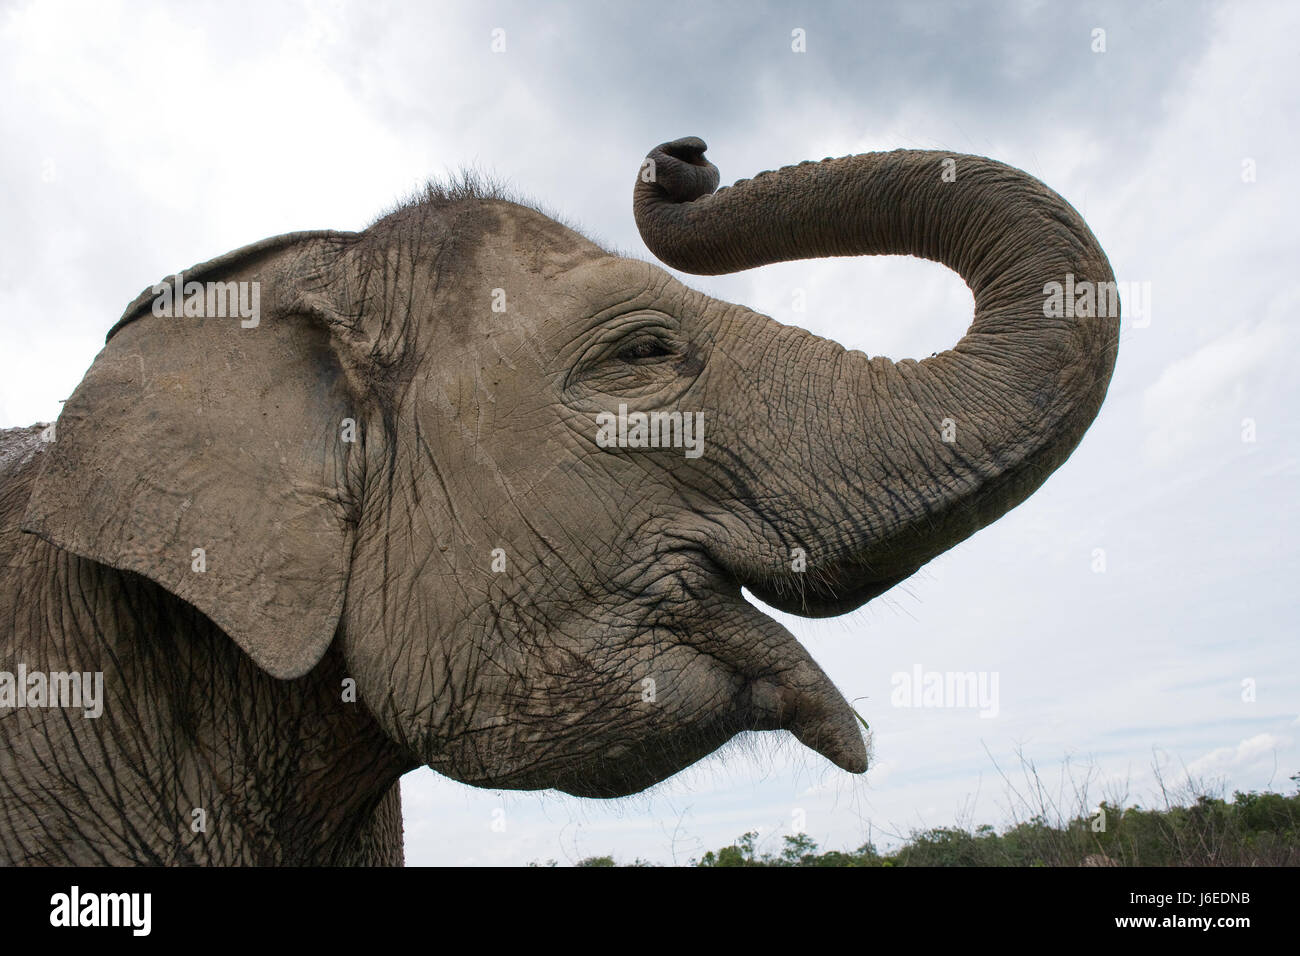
(642, 349)
(642, 352)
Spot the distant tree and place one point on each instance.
(1251, 829)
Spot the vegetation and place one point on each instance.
(1251, 829)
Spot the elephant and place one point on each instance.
(465, 489)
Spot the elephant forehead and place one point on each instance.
(611, 277)
(526, 239)
(596, 291)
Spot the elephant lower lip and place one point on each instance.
(785, 689)
(821, 720)
(817, 716)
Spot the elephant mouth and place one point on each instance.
(790, 691)
(803, 701)
(768, 680)
(725, 668)
(784, 688)
(820, 720)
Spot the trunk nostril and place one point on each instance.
(680, 170)
(689, 149)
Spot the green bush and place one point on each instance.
(1251, 829)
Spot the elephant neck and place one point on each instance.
(196, 756)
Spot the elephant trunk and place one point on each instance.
(920, 454)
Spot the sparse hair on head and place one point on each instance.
(461, 186)
(465, 185)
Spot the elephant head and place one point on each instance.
(427, 449)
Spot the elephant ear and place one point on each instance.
(208, 454)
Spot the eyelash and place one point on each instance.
(643, 348)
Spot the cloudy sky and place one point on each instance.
(1138, 612)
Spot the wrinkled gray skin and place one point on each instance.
(475, 430)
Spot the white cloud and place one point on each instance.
(1249, 754)
(1201, 399)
